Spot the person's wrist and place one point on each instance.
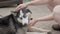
(38, 19)
(28, 3)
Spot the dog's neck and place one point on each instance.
(14, 20)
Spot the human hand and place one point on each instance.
(32, 22)
(21, 6)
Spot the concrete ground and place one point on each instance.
(37, 11)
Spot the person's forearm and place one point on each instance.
(38, 2)
(46, 18)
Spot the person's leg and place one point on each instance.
(56, 15)
(36, 29)
(40, 30)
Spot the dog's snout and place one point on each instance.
(31, 19)
(20, 17)
(25, 24)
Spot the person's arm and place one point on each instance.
(38, 2)
(34, 2)
(46, 18)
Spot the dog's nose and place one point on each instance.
(25, 24)
(20, 17)
(31, 19)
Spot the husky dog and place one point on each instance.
(15, 23)
(17, 19)
(23, 18)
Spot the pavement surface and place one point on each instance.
(37, 11)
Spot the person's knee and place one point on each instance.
(56, 13)
(57, 9)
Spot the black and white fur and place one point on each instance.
(17, 19)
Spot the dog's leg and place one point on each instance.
(21, 31)
(11, 25)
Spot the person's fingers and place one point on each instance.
(17, 8)
(31, 22)
(21, 6)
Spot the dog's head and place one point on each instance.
(23, 16)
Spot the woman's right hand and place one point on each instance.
(21, 6)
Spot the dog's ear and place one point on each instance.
(29, 11)
(14, 13)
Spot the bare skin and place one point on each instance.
(50, 4)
